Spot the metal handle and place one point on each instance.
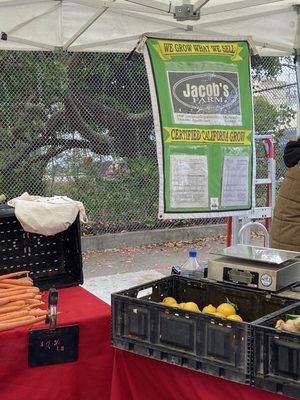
(249, 225)
(52, 301)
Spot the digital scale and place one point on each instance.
(256, 267)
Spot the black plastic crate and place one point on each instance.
(53, 261)
(201, 342)
(276, 361)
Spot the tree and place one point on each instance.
(55, 102)
(267, 67)
(265, 115)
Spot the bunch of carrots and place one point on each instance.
(20, 301)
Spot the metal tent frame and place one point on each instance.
(116, 25)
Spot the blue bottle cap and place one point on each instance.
(192, 253)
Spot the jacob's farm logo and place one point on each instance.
(208, 98)
(200, 90)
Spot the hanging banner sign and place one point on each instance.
(203, 113)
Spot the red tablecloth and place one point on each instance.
(140, 378)
(87, 379)
(99, 368)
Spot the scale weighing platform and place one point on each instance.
(256, 267)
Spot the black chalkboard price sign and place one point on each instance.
(47, 347)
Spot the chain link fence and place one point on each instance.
(80, 124)
(275, 112)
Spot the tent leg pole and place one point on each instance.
(297, 62)
(298, 90)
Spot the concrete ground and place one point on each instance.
(112, 270)
(152, 257)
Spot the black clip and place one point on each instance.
(132, 55)
(175, 271)
(52, 304)
(3, 36)
(256, 60)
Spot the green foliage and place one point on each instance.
(29, 84)
(33, 86)
(111, 80)
(16, 182)
(265, 115)
(132, 196)
(267, 68)
(268, 118)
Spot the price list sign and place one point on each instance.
(47, 347)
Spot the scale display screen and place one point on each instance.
(239, 276)
(258, 254)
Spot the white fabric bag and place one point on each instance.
(46, 215)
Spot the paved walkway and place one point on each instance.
(108, 271)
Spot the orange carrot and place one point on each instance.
(20, 303)
(38, 297)
(35, 305)
(33, 301)
(5, 310)
(24, 318)
(28, 289)
(38, 312)
(12, 293)
(7, 285)
(4, 301)
(16, 282)
(17, 297)
(19, 290)
(14, 274)
(33, 289)
(14, 315)
(27, 279)
(16, 324)
(13, 288)
(39, 320)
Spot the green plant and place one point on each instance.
(131, 196)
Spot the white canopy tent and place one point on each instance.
(115, 26)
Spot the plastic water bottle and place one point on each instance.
(192, 268)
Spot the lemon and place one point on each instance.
(218, 314)
(210, 309)
(226, 309)
(169, 300)
(191, 306)
(279, 323)
(235, 317)
(181, 305)
(169, 304)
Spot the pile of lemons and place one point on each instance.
(224, 310)
(171, 302)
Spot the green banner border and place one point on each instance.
(204, 213)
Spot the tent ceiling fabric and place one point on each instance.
(115, 26)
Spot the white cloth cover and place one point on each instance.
(46, 215)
